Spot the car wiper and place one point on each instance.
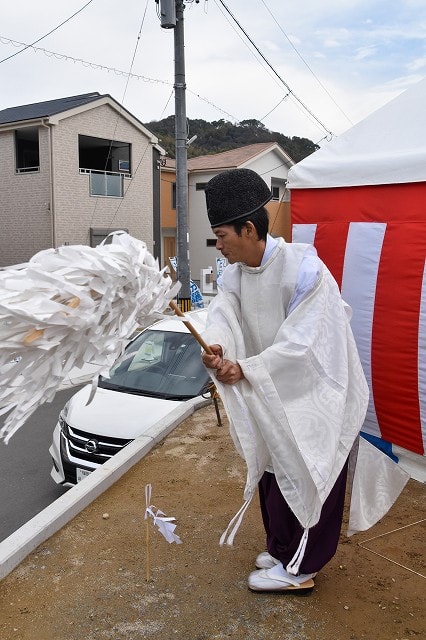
(139, 392)
(173, 396)
(104, 384)
(142, 392)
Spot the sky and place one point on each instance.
(309, 68)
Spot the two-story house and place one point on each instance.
(72, 170)
(268, 159)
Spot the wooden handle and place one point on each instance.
(34, 334)
(194, 332)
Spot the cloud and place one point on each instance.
(365, 52)
(417, 64)
(331, 43)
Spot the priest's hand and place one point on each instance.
(215, 359)
(229, 372)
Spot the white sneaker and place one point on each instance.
(278, 580)
(265, 561)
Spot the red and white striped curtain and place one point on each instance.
(373, 240)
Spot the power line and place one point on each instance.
(84, 63)
(167, 104)
(290, 91)
(273, 109)
(135, 50)
(117, 120)
(47, 34)
(305, 63)
(247, 46)
(102, 67)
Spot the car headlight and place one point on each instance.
(63, 418)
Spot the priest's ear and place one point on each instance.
(249, 229)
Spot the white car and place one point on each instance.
(159, 369)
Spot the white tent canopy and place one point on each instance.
(388, 147)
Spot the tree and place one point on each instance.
(222, 135)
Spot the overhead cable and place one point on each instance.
(102, 67)
(27, 46)
(116, 125)
(305, 63)
(289, 89)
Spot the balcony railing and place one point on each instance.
(35, 169)
(106, 183)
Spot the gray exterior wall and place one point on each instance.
(25, 220)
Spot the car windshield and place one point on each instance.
(164, 364)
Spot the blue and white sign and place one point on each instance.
(197, 299)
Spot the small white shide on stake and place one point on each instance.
(165, 526)
(68, 306)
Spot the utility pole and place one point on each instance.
(171, 13)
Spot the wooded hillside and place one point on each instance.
(221, 135)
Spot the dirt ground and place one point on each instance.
(89, 581)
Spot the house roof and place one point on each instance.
(232, 159)
(55, 110)
(46, 109)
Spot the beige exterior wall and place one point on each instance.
(75, 209)
(34, 216)
(168, 219)
(168, 214)
(25, 221)
(279, 219)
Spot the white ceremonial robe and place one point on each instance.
(303, 400)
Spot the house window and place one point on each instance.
(98, 235)
(211, 242)
(101, 154)
(107, 161)
(173, 195)
(275, 193)
(27, 150)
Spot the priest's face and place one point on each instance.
(239, 248)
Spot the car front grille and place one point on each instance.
(89, 448)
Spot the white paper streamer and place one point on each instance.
(165, 524)
(69, 306)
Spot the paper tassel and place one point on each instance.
(69, 306)
(165, 524)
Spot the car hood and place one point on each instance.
(116, 414)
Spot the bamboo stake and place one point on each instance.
(147, 550)
(214, 394)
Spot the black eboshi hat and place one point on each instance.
(235, 194)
